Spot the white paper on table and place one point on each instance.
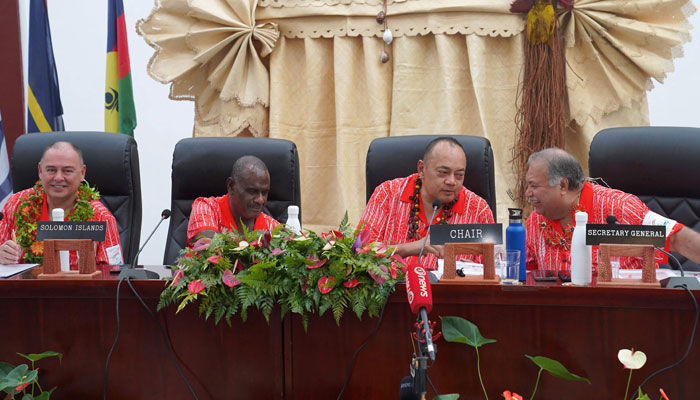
(8, 270)
(661, 273)
(469, 268)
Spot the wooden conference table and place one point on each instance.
(582, 327)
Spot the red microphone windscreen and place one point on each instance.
(418, 288)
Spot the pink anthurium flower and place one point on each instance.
(378, 278)
(229, 280)
(276, 252)
(196, 286)
(201, 244)
(632, 359)
(351, 283)
(214, 259)
(365, 249)
(256, 243)
(325, 284)
(393, 270)
(178, 275)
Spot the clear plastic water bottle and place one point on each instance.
(581, 263)
(515, 238)
(293, 223)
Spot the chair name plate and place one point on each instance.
(93, 230)
(466, 233)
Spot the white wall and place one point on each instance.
(79, 38)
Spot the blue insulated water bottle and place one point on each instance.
(515, 237)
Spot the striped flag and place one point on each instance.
(43, 96)
(120, 113)
(5, 183)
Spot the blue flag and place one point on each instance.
(5, 182)
(43, 97)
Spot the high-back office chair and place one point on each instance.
(200, 169)
(396, 156)
(658, 164)
(112, 166)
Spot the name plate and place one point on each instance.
(466, 233)
(93, 230)
(625, 234)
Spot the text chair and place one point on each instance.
(200, 169)
(112, 166)
(657, 164)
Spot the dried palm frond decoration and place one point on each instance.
(542, 116)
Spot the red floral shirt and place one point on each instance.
(389, 209)
(107, 252)
(215, 213)
(599, 202)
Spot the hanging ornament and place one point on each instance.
(388, 37)
(385, 57)
(380, 17)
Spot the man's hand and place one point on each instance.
(10, 252)
(413, 248)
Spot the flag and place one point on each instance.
(43, 97)
(120, 113)
(5, 183)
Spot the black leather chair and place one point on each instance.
(396, 156)
(112, 166)
(200, 169)
(658, 164)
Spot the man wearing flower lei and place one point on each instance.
(60, 185)
(397, 213)
(248, 187)
(556, 188)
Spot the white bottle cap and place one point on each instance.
(57, 214)
(293, 210)
(581, 217)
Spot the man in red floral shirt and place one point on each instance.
(397, 212)
(61, 174)
(248, 187)
(556, 188)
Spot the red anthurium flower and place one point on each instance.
(178, 275)
(365, 249)
(325, 284)
(351, 283)
(393, 270)
(267, 237)
(513, 396)
(229, 280)
(277, 252)
(196, 286)
(316, 261)
(237, 265)
(378, 278)
(21, 387)
(214, 259)
(255, 243)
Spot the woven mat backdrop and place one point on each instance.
(310, 71)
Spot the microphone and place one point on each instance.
(436, 204)
(420, 299)
(673, 281)
(130, 272)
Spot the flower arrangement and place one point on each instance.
(302, 273)
(460, 330)
(29, 211)
(16, 379)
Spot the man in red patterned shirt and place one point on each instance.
(248, 187)
(556, 188)
(61, 171)
(397, 213)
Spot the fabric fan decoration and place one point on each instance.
(216, 61)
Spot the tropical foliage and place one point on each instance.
(302, 273)
(23, 380)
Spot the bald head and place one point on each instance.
(559, 164)
(247, 163)
(63, 147)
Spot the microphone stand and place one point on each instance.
(419, 364)
(129, 272)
